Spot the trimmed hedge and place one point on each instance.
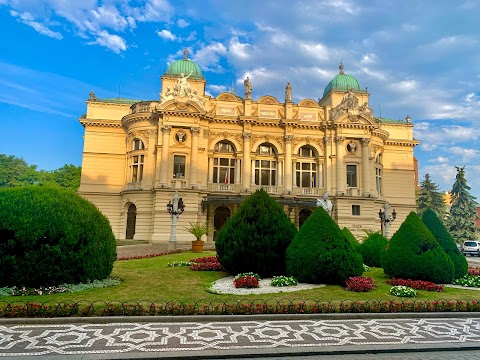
(413, 253)
(255, 238)
(320, 254)
(351, 238)
(446, 241)
(50, 236)
(372, 249)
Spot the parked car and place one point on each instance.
(471, 247)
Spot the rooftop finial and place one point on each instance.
(341, 68)
(185, 54)
(232, 90)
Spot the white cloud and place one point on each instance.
(439, 159)
(108, 16)
(368, 59)
(208, 57)
(110, 41)
(182, 23)
(27, 19)
(166, 35)
(404, 86)
(192, 36)
(217, 89)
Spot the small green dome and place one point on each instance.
(185, 66)
(342, 82)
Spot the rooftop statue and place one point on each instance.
(288, 92)
(248, 88)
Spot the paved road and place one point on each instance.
(236, 337)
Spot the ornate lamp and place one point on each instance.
(175, 208)
(386, 219)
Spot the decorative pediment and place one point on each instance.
(175, 105)
(349, 106)
(268, 100)
(308, 103)
(226, 96)
(355, 119)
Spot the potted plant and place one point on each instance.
(198, 229)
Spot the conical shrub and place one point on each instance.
(256, 237)
(372, 249)
(413, 253)
(350, 238)
(320, 254)
(446, 241)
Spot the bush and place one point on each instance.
(417, 284)
(413, 253)
(372, 249)
(255, 237)
(360, 283)
(320, 254)
(207, 263)
(446, 241)
(246, 280)
(50, 236)
(350, 238)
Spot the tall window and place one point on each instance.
(179, 166)
(352, 176)
(224, 163)
(137, 158)
(306, 168)
(265, 166)
(378, 173)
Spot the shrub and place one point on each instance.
(350, 238)
(360, 283)
(50, 236)
(284, 281)
(413, 253)
(468, 281)
(246, 280)
(255, 237)
(372, 249)
(320, 254)
(446, 241)
(417, 284)
(403, 291)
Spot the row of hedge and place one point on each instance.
(240, 307)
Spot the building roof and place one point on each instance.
(184, 66)
(120, 101)
(342, 82)
(391, 121)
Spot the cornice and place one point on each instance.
(133, 118)
(100, 123)
(400, 142)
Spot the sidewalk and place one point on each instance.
(214, 337)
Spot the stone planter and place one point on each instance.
(197, 246)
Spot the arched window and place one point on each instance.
(378, 173)
(303, 216)
(131, 221)
(137, 158)
(224, 163)
(266, 165)
(307, 174)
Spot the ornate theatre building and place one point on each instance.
(216, 151)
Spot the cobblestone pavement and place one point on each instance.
(155, 339)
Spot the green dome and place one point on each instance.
(184, 66)
(342, 82)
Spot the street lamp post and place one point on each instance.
(175, 208)
(386, 218)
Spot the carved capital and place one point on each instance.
(206, 133)
(247, 136)
(166, 129)
(288, 138)
(366, 141)
(195, 130)
(339, 139)
(327, 140)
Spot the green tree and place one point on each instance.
(428, 197)
(461, 222)
(16, 172)
(66, 177)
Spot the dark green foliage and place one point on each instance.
(351, 238)
(319, 253)
(413, 253)
(461, 220)
(373, 248)
(440, 232)
(255, 237)
(428, 196)
(50, 236)
(16, 172)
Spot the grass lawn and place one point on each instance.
(152, 279)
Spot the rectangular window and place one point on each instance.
(179, 166)
(378, 177)
(352, 176)
(137, 168)
(356, 210)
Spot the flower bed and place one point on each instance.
(474, 271)
(145, 256)
(403, 291)
(246, 280)
(208, 263)
(417, 284)
(284, 281)
(468, 281)
(360, 283)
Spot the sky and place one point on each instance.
(417, 58)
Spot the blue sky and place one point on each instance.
(417, 58)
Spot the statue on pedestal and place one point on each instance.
(325, 203)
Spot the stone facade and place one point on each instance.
(216, 151)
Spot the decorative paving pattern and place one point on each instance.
(71, 339)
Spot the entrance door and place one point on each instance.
(131, 220)
(222, 214)
(303, 216)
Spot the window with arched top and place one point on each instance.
(378, 173)
(137, 159)
(308, 173)
(266, 165)
(131, 221)
(224, 163)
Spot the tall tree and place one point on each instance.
(428, 196)
(461, 222)
(15, 172)
(66, 177)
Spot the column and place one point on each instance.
(246, 161)
(210, 170)
(194, 157)
(327, 141)
(237, 171)
(164, 163)
(366, 167)
(252, 172)
(288, 163)
(341, 181)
